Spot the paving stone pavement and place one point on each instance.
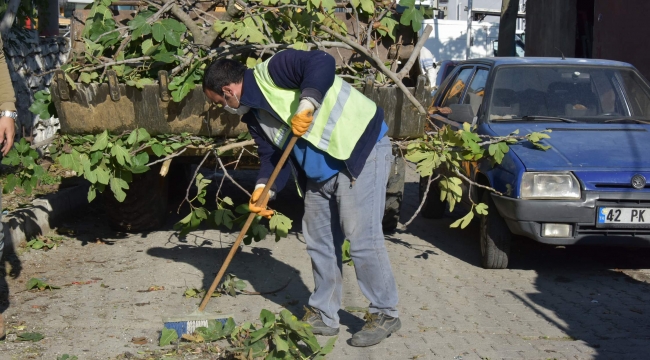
(553, 303)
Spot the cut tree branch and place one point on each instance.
(379, 64)
(200, 37)
(424, 199)
(416, 52)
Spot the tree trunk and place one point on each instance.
(10, 16)
(507, 27)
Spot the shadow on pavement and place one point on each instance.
(259, 268)
(593, 294)
(10, 266)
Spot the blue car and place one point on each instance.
(590, 186)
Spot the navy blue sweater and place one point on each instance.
(312, 72)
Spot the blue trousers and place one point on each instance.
(339, 209)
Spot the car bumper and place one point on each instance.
(525, 217)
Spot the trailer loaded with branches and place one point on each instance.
(128, 100)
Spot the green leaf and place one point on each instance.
(257, 335)
(329, 346)
(267, 318)
(30, 336)
(121, 155)
(141, 159)
(368, 6)
(388, 27)
(43, 95)
(158, 31)
(503, 147)
(22, 146)
(250, 33)
(143, 135)
(251, 62)
(32, 283)
(37, 244)
(167, 336)
(227, 200)
(481, 209)
(117, 185)
(280, 344)
(71, 161)
(299, 45)
(412, 16)
(280, 225)
(132, 138)
(158, 149)
(101, 142)
(259, 232)
(92, 193)
(140, 83)
(223, 217)
(174, 25)
(173, 38)
(103, 176)
(10, 183)
(166, 57)
(464, 221)
(148, 47)
(225, 28)
(84, 77)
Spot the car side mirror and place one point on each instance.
(462, 113)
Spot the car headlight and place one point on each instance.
(540, 185)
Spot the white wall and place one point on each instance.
(456, 9)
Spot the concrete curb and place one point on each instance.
(41, 217)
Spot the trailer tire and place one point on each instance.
(145, 206)
(495, 237)
(394, 195)
(432, 208)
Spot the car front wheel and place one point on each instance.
(495, 237)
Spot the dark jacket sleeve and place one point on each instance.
(310, 71)
(269, 155)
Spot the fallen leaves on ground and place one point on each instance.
(153, 288)
(30, 336)
(139, 340)
(83, 282)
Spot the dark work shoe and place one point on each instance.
(314, 318)
(377, 328)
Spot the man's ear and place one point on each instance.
(227, 89)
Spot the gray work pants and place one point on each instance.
(338, 209)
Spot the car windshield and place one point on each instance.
(582, 93)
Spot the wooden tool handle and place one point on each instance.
(248, 223)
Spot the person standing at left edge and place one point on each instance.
(7, 131)
(341, 163)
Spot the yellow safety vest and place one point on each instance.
(339, 122)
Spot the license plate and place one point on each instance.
(623, 216)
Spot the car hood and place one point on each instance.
(586, 146)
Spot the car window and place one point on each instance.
(458, 86)
(637, 93)
(476, 90)
(582, 93)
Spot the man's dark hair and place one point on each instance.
(223, 72)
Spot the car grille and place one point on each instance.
(623, 202)
(593, 230)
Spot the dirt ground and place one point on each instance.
(551, 303)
